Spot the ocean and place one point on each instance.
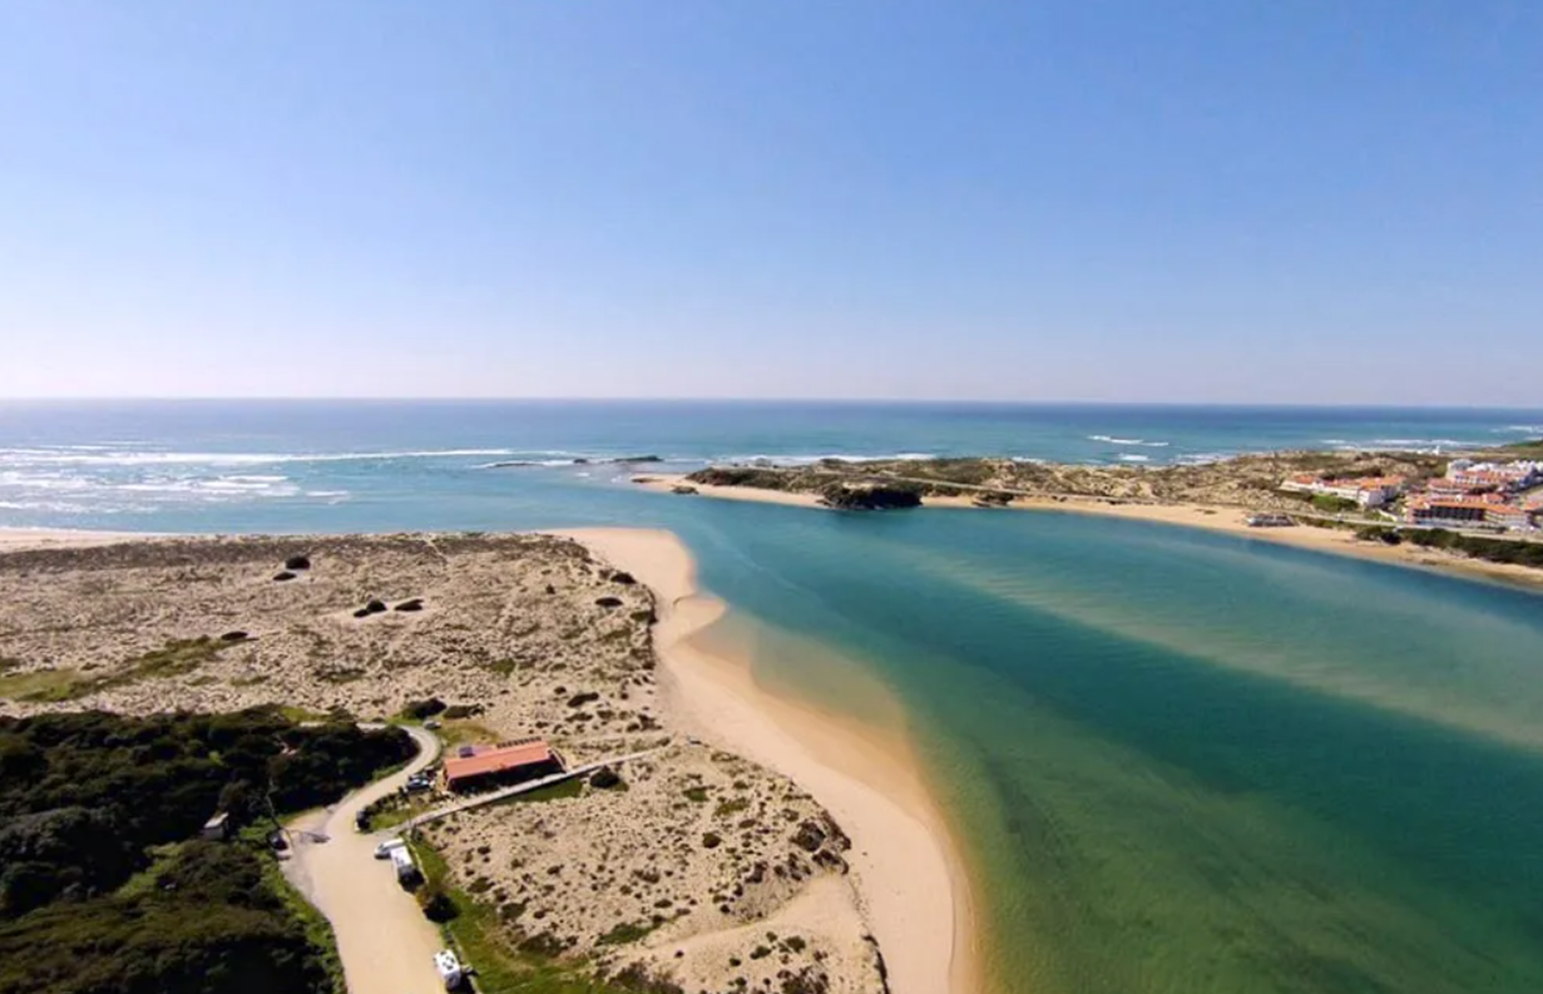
(1178, 761)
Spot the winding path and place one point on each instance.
(385, 943)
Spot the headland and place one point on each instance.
(1479, 514)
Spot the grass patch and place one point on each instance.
(178, 657)
(697, 795)
(161, 857)
(624, 933)
(732, 807)
(341, 674)
(454, 733)
(41, 685)
(566, 790)
(290, 712)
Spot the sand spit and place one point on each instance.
(701, 866)
(912, 886)
(1212, 517)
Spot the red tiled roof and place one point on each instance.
(496, 759)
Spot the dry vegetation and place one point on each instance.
(692, 865)
(697, 866)
(1251, 481)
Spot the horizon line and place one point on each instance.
(855, 401)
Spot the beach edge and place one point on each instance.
(904, 852)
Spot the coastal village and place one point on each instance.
(1470, 494)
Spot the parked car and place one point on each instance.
(432, 724)
(383, 851)
(450, 969)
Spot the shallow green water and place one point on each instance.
(1186, 762)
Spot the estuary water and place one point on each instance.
(1178, 761)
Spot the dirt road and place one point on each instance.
(386, 944)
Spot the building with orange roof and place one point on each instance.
(1367, 491)
(1472, 509)
(477, 766)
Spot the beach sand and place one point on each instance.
(910, 880)
(1220, 518)
(64, 538)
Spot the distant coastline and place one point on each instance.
(1222, 496)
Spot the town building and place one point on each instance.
(1471, 509)
(478, 766)
(1466, 476)
(1367, 491)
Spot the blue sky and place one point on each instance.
(1212, 201)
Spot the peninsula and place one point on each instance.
(1477, 512)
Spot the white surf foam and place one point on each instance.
(63, 457)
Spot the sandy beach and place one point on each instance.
(910, 880)
(65, 538)
(1211, 517)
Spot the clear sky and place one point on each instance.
(1301, 201)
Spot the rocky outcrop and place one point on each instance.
(297, 563)
(860, 497)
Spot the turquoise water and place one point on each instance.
(1179, 761)
(1188, 762)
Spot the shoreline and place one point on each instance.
(16, 538)
(1210, 517)
(903, 856)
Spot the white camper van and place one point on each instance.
(450, 969)
(406, 870)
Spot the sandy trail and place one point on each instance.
(911, 883)
(385, 943)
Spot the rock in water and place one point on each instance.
(848, 497)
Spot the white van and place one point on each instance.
(450, 969)
(383, 851)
